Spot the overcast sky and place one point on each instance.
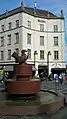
(53, 6)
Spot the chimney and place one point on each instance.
(22, 4)
(48, 14)
(35, 8)
(62, 14)
(6, 12)
(35, 4)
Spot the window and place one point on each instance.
(9, 39)
(17, 38)
(9, 54)
(28, 38)
(41, 54)
(55, 28)
(2, 41)
(9, 25)
(17, 50)
(2, 28)
(2, 55)
(41, 27)
(29, 53)
(42, 40)
(17, 23)
(29, 24)
(56, 55)
(55, 41)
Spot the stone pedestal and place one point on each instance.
(23, 82)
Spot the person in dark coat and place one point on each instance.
(61, 79)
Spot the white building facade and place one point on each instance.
(33, 30)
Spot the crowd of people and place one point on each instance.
(59, 79)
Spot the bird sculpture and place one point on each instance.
(20, 59)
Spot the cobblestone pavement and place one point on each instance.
(61, 114)
(52, 86)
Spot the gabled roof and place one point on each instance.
(39, 13)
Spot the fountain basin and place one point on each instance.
(44, 102)
(23, 87)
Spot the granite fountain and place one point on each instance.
(23, 95)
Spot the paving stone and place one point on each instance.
(35, 117)
(64, 117)
(9, 117)
(1, 117)
(60, 114)
(28, 117)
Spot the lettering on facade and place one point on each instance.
(42, 21)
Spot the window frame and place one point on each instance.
(29, 24)
(42, 27)
(2, 55)
(9, 56)
(29, 53)
(2, 41)
(17, 23)
(55, 28)
(2, 28)
(17, 38)
(41, 54)
(9, 39)
(28, 38)
(41, 40)
(56, 55)
(55, 41)
(9, 25)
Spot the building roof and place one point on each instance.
(39, 13)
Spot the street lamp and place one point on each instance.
(49, 53)
(35, 53)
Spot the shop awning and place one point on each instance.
(8, 68)
(58, 70)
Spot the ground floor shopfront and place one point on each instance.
(51, 67)
(38, 68)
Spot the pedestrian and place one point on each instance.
(56, 81)
(61, 79)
